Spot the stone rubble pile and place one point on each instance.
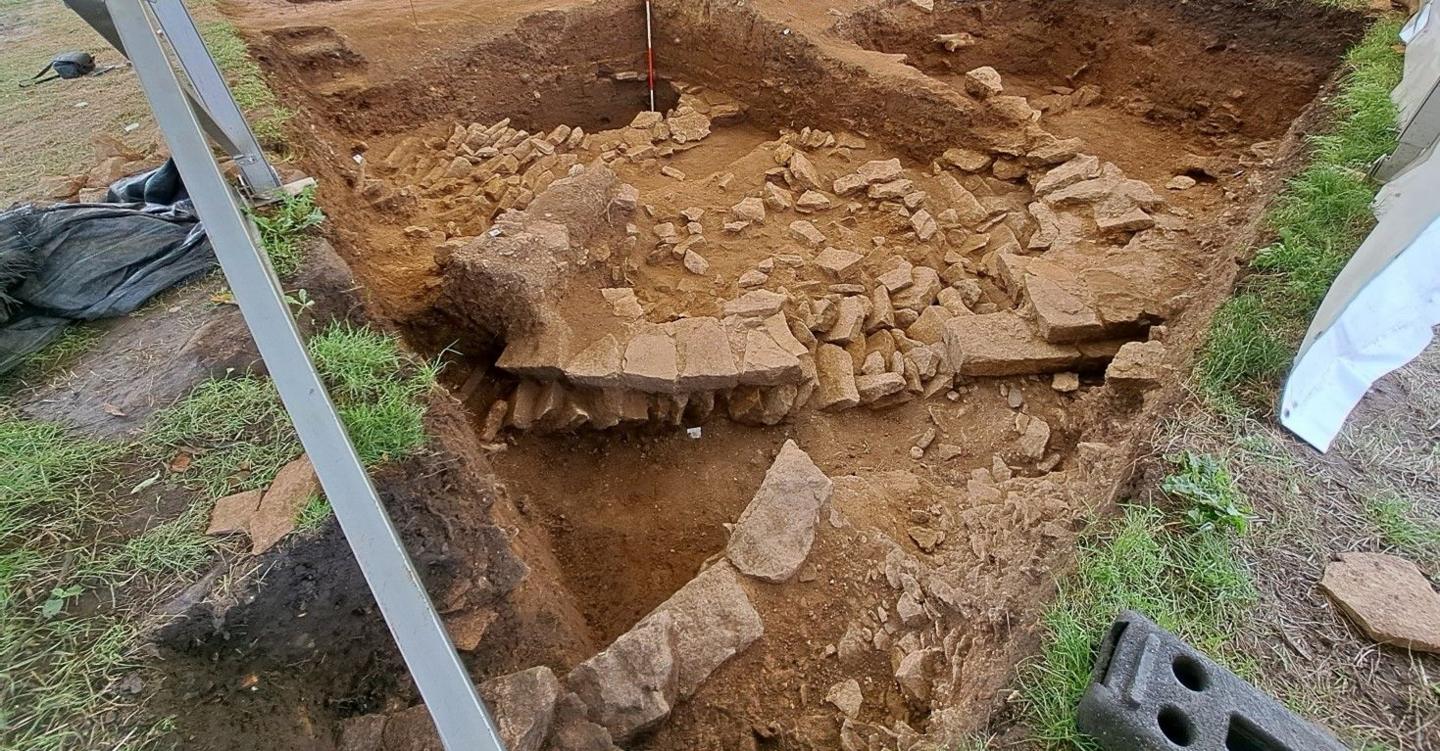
(1026, 258)
(477, 173)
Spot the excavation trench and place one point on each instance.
(509, 192)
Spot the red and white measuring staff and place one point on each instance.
(650, 54)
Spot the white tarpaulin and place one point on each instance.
(1379, 313)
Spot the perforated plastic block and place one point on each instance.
(1150, 691)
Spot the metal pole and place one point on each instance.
(238, 142)
(444, 683)
(650, 54)
(215, 95)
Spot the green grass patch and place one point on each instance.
(284, 225)
(62, 499)
(1404, 527)
(1189, 581)
(314, 513)
(239, 434)
(1320, 219)
(56, 666)
(267, 117)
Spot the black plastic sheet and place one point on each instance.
(80, 262)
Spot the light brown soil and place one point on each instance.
(611, 523)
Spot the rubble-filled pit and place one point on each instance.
(961, 294)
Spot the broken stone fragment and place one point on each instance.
(874, 387)
(881, 171)
(688, 126)
(750, 209)
(774, 534)
(916, 673)
(846, 697)
(1084, 167)
(924, 225)
(753, 278)
(804, 172)
(233, 513)
(1035, 438)
(1065, 382)
(1139, 365)
(696, 263)
(957, 41)
(921, 292)
(279, 506)
(811, 201)
(897, 277)
(983, 83)
(632, 684)
(892, 190)
(925, 538)
(1387, 597)
(839, 264)
(835, 372)
(760, 303)
(849, 184)
(807, 233)
(1180, 182)
(966, 160)
(777, 198)
(523, 706)
(1001, 344)
(849, 321)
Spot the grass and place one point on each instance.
(238, 434)
(283, 226)
(1189, 581)
(77, 585)
(56, 666)
(1402, 526)
(267, 117)
(1319, 221)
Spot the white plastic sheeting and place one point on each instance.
(1380, 312)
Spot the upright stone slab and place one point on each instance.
(774, 535)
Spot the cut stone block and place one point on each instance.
(598, 365)
(705, 359)
(836, 375)
(632, 685)
(1061, 314)
(839, 264)
(650, 363)
(766, 363)
(1003, 344)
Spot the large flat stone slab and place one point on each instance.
(775, 532)
(1388, 598)
(1003, 344)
